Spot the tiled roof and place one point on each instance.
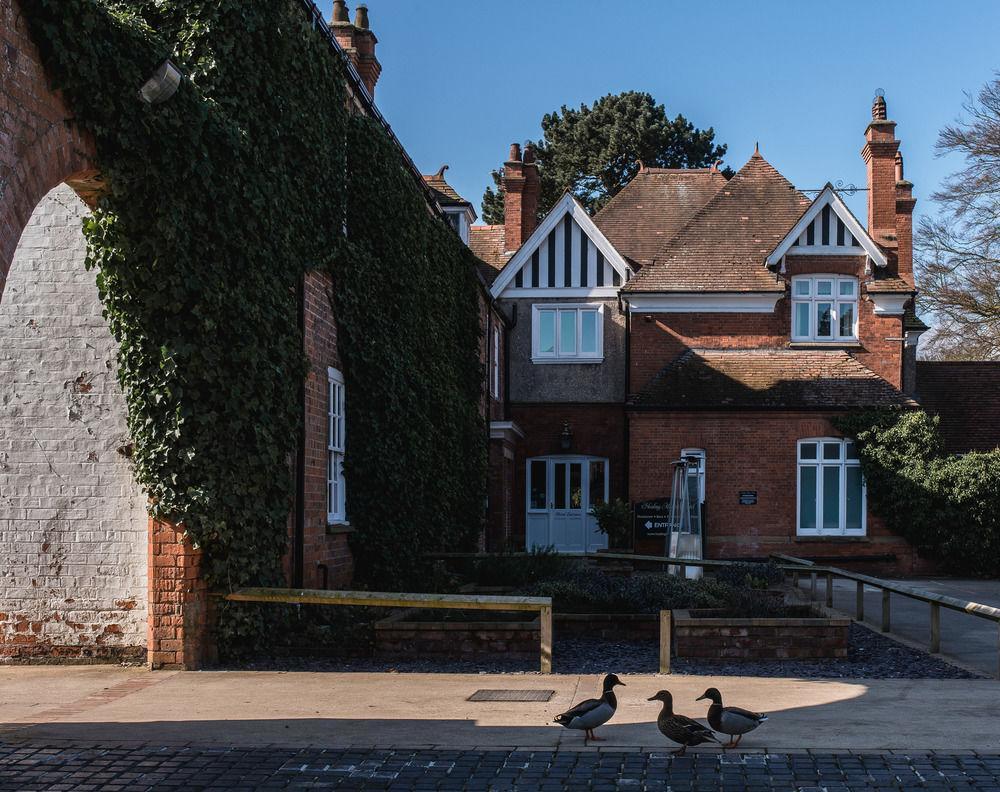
(890, 285)
(653, 207)
(967, 397)
(910, 319)
(444, 192)
(487, 242)
(785, 379)
(724, 245)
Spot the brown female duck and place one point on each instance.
(680, 728)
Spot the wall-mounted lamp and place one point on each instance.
(162, 85)
(566, 438)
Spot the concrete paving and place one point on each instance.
(969, 640)
(431, 711)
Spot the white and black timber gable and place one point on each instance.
(828, 228)
(566, 256)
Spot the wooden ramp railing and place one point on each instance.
(888, 588)
(377, 599)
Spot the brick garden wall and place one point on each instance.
(73, 526)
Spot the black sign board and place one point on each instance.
(652, 517)
(748, 497)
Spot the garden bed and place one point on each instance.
(714, 633)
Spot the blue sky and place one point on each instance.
(462, 79)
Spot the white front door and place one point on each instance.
(560, 491)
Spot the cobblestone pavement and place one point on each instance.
(25, 767)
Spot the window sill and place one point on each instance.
(824, 345)
(565, 361)
(836, 538)
(338, 527)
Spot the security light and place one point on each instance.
(162, 85)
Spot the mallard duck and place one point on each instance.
(730, 720)
(680, 728)
(589, 714)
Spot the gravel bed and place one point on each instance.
(870, 656)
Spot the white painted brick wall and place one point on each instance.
(73, 531)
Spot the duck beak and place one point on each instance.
(619, 682)
(700, 698)
(652, 698)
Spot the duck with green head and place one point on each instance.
(588, 715)
(733, 721)
(680, 728)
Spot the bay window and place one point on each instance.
(831, 489)
(824, 308)
(566, 333)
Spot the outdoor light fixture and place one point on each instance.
(566, 438)
(162, 85)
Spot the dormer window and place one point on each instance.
(824, 308)
(458, 219)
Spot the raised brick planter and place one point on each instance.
(704, 634)
(610, 626)
(403, 635)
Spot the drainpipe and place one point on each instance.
(299, 530)
(628, 382)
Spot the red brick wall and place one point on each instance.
(38, 149)
(597, 429)
(179, 619)
(657, 339)
(320, 546)
(746, 451)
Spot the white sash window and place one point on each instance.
(335, 444)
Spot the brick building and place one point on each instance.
(86, 575)
(727, 321)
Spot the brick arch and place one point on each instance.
(40, 147)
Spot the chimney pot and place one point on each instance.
(879, 111)
(361, 16)
(340, 11)
(529, 154)
(515, 152)
(899, 167)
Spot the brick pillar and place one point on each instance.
(178, 601)
(904, 222)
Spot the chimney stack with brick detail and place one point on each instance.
(879, 154)
(357, 41)
(521, 187)
(904, 222)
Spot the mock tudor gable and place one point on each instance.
(828, 228)
(565, 256)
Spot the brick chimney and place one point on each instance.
(879, 154)
(357, 41)
(904, 222)
(521, 187)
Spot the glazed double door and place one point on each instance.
(561, 490)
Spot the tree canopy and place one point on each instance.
(595, 151)
(958, 252)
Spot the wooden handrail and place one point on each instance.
(380, 599)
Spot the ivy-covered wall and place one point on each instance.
(946, 505)
(217, 202)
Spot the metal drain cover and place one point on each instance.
(511, 695)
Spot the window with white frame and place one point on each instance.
(335, 444)
(567, 333)
(831, 489)
(824, 308)
(495, 373)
